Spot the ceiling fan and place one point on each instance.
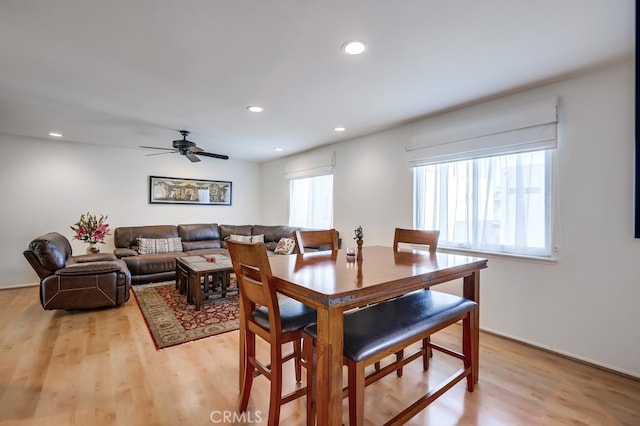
(187, 148)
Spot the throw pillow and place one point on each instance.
(285, 246)
(241, 238)
(174, 244)
(146, 246)
(257, 238)
(159, 245)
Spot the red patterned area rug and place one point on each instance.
(171, 321)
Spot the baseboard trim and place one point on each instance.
(585, 361)
(9, 287)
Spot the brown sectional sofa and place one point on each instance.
(195, 239)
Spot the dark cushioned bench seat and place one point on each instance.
(377, 331)
(371, 330)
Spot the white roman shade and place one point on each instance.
(313, 163)
(523, 128)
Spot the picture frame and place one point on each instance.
(171, 190)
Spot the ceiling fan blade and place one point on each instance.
(209, 154)
(195, 149)
(161, 153)
(192, 157)
(154, 147)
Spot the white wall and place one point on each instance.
(48, 184)
(584, 305)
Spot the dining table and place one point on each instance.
(333, 282)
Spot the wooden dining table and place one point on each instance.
(333, 283)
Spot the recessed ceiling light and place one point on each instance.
(278, 149)
(55, 134)
(254, 108)
(354, 47)
(339, 129)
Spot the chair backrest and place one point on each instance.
(48, 253)
(415, 236)
(255, 281)
(326, 239)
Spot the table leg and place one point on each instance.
(199, 291)
(181, 280)
(471, 290)
(329, 367)
(194, 289)
(187, 280)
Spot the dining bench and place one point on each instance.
(387, 328)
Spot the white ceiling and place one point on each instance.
(133, 72)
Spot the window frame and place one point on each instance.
(545, 253)
(309, 221)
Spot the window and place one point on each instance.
(311, 202)
(497, 204)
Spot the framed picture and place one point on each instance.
(168, 190)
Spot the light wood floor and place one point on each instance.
(101, 368)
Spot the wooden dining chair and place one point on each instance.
(325, 239)
(276, 320)
(367, 339)
(422, 238)
(416, 236)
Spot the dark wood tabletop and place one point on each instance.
(332, 284)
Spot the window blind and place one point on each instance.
(523, 128)
(309, 164)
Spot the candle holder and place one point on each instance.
(351, 254)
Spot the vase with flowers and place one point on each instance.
(91, 229)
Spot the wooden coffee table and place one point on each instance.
(208, 275)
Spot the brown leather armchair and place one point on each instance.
(76, 282)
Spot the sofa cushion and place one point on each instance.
(51, 250)
(273, 234)
(199, 232)
(207, 252)
(127, 236)
(152, 263)
(159, 245)
(227, 230)
(124, 252)
(200, 245)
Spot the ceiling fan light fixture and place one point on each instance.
(187, 149)
(354, 47)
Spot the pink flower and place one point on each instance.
(91, 229)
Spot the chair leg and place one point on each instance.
(399, 357)
(250, 353)
(297, 351)
(428, 352)
(356, 382)
(275, 400)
